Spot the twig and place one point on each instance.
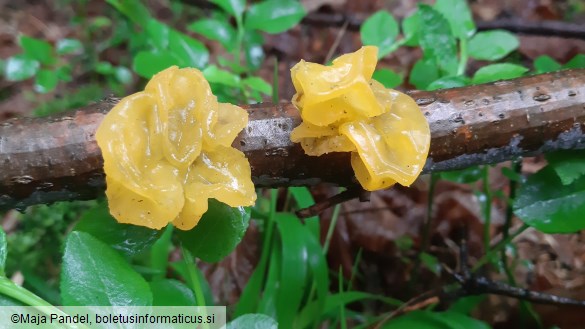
(352, 193)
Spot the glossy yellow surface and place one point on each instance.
(345, 110)
(167, 150)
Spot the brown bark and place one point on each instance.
(51, 159)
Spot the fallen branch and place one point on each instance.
(45, 160)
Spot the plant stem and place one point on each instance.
(487, 208)
(463, 56)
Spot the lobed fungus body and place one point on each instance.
(345, 110)
(167, 150)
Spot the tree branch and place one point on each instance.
(45, 160)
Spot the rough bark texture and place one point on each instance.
(51, 159)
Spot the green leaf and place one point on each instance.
(545, 63)
(218, 30)
(431, 262)
(467, 304)
(3, 252)
(64, 73)
(125, 238)
(19, 67)
(186, 50)
(423, 73)
(159, 253)
(213, 74)
(411, 29)
(191, 274)
(169, 292)
(218, 232)
(294, 271)
(258, 84)
(254, 321)
(233, 7)
(93, 274)
(253, 42)
(274, 16)
(148, 63)
(379, 30)
(495, 72)
(123, 74)
(388, 78)
(448, 82)
(492, 45)
(133, 9)
(69, 46)
(37, 49)
(105, 68)
(577, 62)
(463, 176)
(569, 165)
(437, 41)
(459, 16)
(544, 203)
(435, 320)
(46, 81)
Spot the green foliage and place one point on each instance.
(496, 72)
(431, 320)
(380, 30)
(569, 165)
(388, 78)
(228, 226)
(550, 206)
(256, 321)
(274, 16)
(94, 274)
(492, 45)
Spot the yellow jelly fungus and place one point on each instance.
(345, 110)
(167, 150)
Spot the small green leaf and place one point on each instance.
(213, 74)
(423, 73)
(126, 239)
(93, 274)
(411, 29)
(387, 77)
(258, 84)
(577, 62)
(437, 41)
(253, 42)
(148, 63)
(435, 320)
(380, 30)
(233, 7)
(255, 321)
(463, 176)
(448, 82)
(105, 68)
(37, 49)
(169, 292)
(64, 73)
(274, 16)
(214, 29)
(133, 9)
(545, 64)
(186, 50)
(495, 72)
(69, 46)
(20, 68)
(123, 74)
(492, 45)
(218, 232)
(46, 81)
(569, 165)
(459, 16)
(3, 252)
(544, 203)
(431, 262)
